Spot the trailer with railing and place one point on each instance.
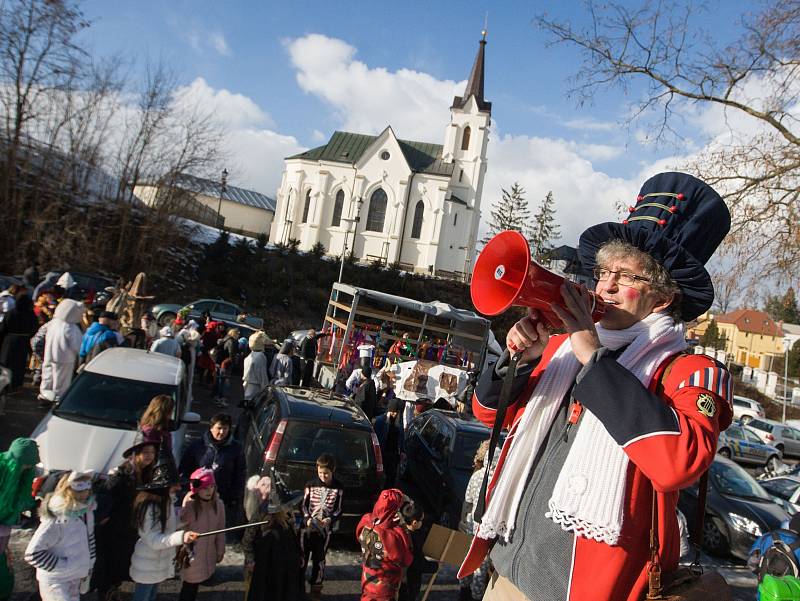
(398, 329)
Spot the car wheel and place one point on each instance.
(780, 449)
(725, 452)
(745, 419)
(773, 463)
(714, 539)
(166, 319)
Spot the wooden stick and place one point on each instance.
(450, 538)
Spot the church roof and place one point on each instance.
(346, 147)
(475, 82)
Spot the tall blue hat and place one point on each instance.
(679, 221)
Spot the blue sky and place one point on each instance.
(287, 74)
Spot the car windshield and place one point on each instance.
(109, 400)
(730, 479)
(466, 445)
(303, 442)
(781, 487)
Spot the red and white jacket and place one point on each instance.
(669, 432)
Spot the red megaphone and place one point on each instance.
(505, 275)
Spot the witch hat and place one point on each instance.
(141, 440)
(165, 473)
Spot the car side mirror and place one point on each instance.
(190, 417)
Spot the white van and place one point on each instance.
(96, 420)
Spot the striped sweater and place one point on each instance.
(62, 549)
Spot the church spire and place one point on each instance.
(475, 82)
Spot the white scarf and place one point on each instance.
(588, 497)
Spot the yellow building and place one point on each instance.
(752, 338)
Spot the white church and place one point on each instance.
(416, 204)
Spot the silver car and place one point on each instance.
(782, 436)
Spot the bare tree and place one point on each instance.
(756, 166)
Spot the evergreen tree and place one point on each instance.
(545, 230)
(712, 337)
(794, 360)
(783, 308)
(509, 213)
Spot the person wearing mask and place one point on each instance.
(62, 549)
(385, 548)
(218, 450)
(391, 437)
(189, 339)
(322, 508)
(272, 557)
(16, 330)
(156, 520)
(202, 511)
(17, 470)
(255, 377)
(99, 336)
(61, 346)
(280, 372)
(166, 343)
(115, 531)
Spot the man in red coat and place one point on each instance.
(605, 418)
(385, 547)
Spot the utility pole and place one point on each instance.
(786, 342)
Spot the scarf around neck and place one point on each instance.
(588, 497)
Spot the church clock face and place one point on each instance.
(385, 155)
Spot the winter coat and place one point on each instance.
(15, 482)
(61, 346)
(97, 333)
(382, 425)
(385, 545)
(152, 560)
(281, 370)
(308, 348)
(62, 548)
(668, 440)
(166, 346)
(116, 539)
(209, 549)
(367, 397)
(276, 553)
(227, 461)
(255, 376)
(16, 330)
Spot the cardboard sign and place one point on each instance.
(446, 545)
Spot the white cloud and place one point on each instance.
(597, 152)
(367, 99)
(232, 110)
(318, 137)
(591, 125)
(255, 150)
(219, 44)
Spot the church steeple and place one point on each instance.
(475, 82)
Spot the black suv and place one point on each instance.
(440, 448)
(288, 428)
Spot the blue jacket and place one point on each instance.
(96, 333)
(226, 459)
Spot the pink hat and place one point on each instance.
(201, 478)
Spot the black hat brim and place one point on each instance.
(688, 273)
(133, 449)
(163, 484)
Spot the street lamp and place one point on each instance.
(222, 188)
(786, 344)
(344, 247)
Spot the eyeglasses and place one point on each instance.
(624, 278)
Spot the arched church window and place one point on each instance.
(465, 138)
(377, 211)
(306, 206)
(416, 229)
(337, 209)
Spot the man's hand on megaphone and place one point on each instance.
(577, 319)
(528, 336)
